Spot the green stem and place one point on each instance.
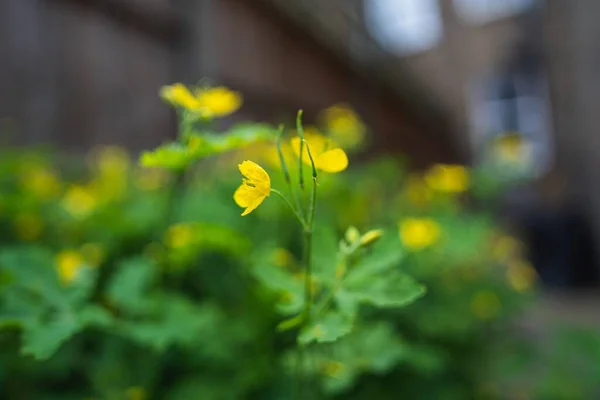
(286, 201)
(300, 130)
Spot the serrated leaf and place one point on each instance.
(393, 289)
(128, 286)
(326, 329)
(42, 340)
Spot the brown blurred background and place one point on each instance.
(434, 79)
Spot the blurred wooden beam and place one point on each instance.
(151, 21)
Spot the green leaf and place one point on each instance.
(128, 286)
(240, 135)
(171, 156)
(42, 340)
(393, 289)
(328, 328)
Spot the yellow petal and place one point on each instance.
(219, 101)
(255, 174)
(244, 195)
(179, 95)
(332, 161)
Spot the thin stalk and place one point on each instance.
(286, 173)
(300, 130)
(291, 207)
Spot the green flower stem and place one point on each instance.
(286, 173)
(292, 208)
(300, 130)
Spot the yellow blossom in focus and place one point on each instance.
(370, 237)
(485, 304)
(255, 187)
(219, 101)
(79, 201)
(333, 369)
(326, 159)
(68, 264)
(93, 253)
(521, 275)
(28, 226)
(448, 178)
(418, 233)
(344, 125)
(180, 235)
(42, 182)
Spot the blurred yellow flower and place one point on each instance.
(333, 369)
(136, 393)
(79, 201)
(40, 181)
(485, 304)
(448, 178)
(206, 102)
(417, 191)
(344, 126)
(150, 179)
(93, 253)
(28, 226)
(68, 263)
(509, 147)
(282, 257)
(112, 160)
(505, 248)
(219, 101)
(418, 233)
(370, 237)
(255, 187)
(521, 275)
(326, 159)
(180, 235)
(178, 95)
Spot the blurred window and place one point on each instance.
(404, 26)
(514, 102)
(482, 11)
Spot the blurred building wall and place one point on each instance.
(85, 72)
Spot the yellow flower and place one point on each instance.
(79, 201)
(282, 257)
(485, 304)
(344, 126)
(219, 101)
(326, 159)
(521, 275)
(448, 178)
(68, 263)
(418, 233)
(509, 147)
(41, 182)
(333, 369)
(207, 102)
(417, 191)
(136, 393)
(93, 253)
(28, 226)
(178, 95)
(255, 187)
(370, 237)
(179, 235)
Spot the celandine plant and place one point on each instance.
(321, 301)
